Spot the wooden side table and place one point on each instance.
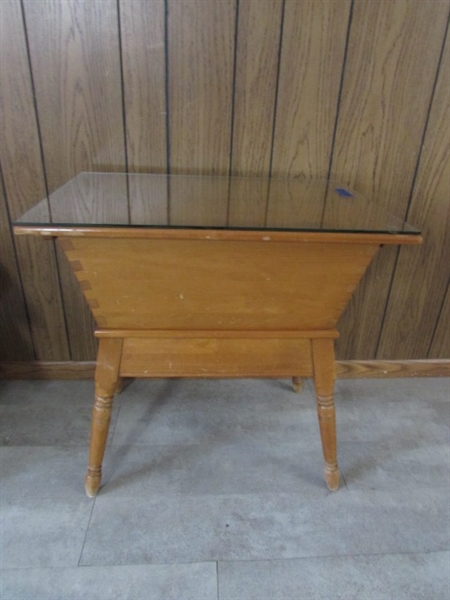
(214, 277)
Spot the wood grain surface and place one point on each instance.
(422, 275)
(144, 65)
(257, 50)
(22, 169)
(209, 357)
(201, 59)
(388, 82)
(388, 369)
(356, 72)
(74, 47)
(19, 151)
(210, 284)
(312, 55)
(15, 341)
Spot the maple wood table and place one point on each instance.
(214, 277)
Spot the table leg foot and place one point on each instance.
(332, 477)
(92, 481)
(297, 384)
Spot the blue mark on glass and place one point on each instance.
(344, 193)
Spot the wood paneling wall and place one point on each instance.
(351, 89)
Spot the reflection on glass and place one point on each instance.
(91, 198)
(248, 202)
(296, 204)
(142, 210)
(198, 201)
(183, 201)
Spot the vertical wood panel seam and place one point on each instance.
(124, 115)
(427, 119)
(441, 308)
(341, 87)
(16, 260)
(338, 104)
(233, 92)
(388, 297)
(36, 113)
(166, 83)
(44, 172)
(275, 107)
(233, 101)
(411, 192)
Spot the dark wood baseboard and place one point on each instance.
(47, 370)
(347, 369)
(358, 369)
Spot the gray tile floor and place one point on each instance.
(213, 490)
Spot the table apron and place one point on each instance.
(216, 357)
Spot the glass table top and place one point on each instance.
(192, 202)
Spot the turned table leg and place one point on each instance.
(297, 384)
(324, 375)
(106, 383)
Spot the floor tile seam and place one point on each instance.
(113, 495)
(19, 503)
(190, 496)
(217, 580)
(322, 493)
(318, 493)
(394, 442)
(212, 562)
(220, 561)
(433, 438)
(312, 492)
(49, 404)
(239, 441)
(406, 488)
(187, 563)
(332, 556)
(217, 562)
(250, 441)
(217, 443)
(66, 445)
(346, 488)
(86, 532)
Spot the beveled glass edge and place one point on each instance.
(407, 228)
(386, 231)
